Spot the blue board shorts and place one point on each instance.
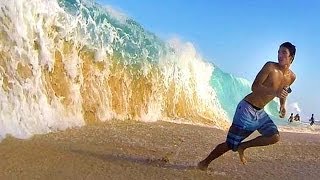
(246, 120)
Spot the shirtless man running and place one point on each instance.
(272, 81)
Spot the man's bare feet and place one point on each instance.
(241, 155)
(202, 166)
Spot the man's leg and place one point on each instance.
(258, 141)
(236, 134)
(269, 135)
(217, 152)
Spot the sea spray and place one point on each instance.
(69, 63)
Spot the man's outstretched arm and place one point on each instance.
(283, 100)
(282, 107)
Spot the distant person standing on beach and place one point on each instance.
(297, 117)
(272, 81)
(311, 120)
(291, 118)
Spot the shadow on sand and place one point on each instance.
(162, 162)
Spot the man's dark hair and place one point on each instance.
(291, 47)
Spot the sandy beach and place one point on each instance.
(158, 150)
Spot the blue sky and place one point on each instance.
(240, 36)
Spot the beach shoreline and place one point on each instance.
(157, 150)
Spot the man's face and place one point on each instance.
(284, 57)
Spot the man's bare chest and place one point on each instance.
(277, 80)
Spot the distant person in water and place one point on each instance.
(311, 120)
(297, 117)
(291, 118)
(272, 81)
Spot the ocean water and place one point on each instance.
(68, 63)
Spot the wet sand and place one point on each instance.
(159, 150)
